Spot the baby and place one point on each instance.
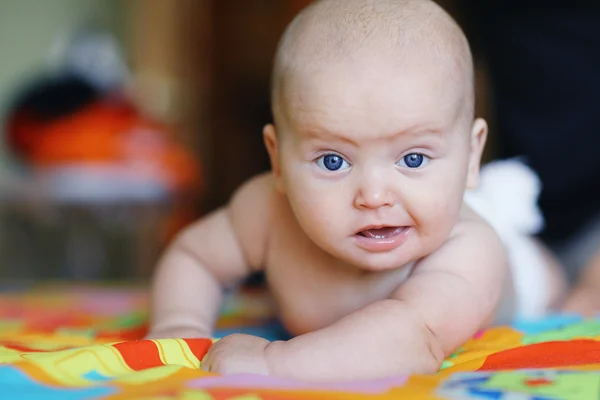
(375, 261)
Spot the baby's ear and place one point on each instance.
(270, 138)
(478, 138)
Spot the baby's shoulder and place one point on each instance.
(472, 239)
(250, 212)
(472, 229)
(473, 252)
(254, 200)
(257, 189)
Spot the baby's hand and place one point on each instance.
(177, 333)
(237, 354)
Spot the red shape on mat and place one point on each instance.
(139, 354)
(199, 346)
(538, 382)
(545, 355)
(135, 333)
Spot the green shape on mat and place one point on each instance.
(130, 320)
(560, 384)
(78, 332)
(446, 364)
(589, 329)
(456, 353)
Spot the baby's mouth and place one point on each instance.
(382, 233)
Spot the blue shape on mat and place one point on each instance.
(552, 322)
(95, 376)
(15, 384)
(486, 393)
(470, 381)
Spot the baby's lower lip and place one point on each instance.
(379, 240)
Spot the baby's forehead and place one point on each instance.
(414, 33)
(378, 88)
(374, 63)
(370, 80)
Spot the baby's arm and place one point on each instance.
(218, 250)
(585, 296)
(450, 295)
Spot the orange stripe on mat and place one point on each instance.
(545, 355)
(140, 354)
(199, 346)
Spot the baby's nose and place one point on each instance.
(373, 193)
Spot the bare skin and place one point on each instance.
(585, 296)
(376, 264)
(324, 301)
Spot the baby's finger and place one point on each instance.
(206, 362)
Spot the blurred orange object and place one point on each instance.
(110, 134)
(107, 132)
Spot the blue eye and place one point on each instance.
(332, 162)
(413, 160)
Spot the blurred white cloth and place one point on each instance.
(507, 198)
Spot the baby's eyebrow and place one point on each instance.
(415, 132)
(312, 134)
(418, 133)
(420, 130)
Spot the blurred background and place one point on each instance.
(123, 120)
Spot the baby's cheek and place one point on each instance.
(436, 215)
(322, 213)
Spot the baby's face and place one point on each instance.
(374, 161)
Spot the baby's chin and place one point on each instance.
(376, 262)
(358, 258)
(380, 263)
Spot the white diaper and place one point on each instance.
(507, 198)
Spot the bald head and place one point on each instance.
(329, 32)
